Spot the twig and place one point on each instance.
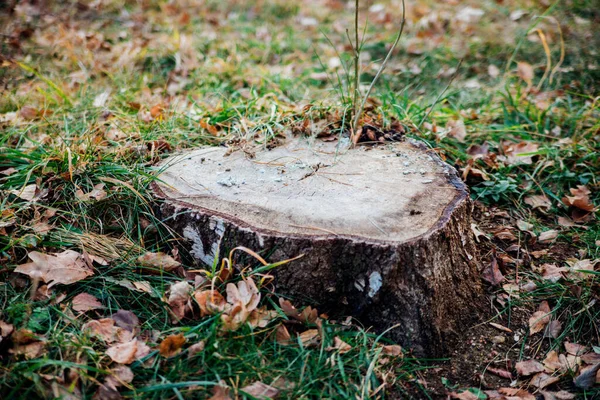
(356, 60)
(360, 110)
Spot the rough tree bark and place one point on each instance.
(385, 231)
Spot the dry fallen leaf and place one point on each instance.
(516, 394)
(261, 317)
(309, 337)
(492, 274)
(106, 330)
(464, 395)
(196, 348)
(561, 395)
(65, 268)
(587, 377)
(555, 362)
(500, 372)
(118, 377)
(456, 129)
(282, 335)
(172, 345)
(575, 348)
(540, 318)
(553, 273)
(261, 390)
(128, 352)
(553, 329)
(127, 320)
(179, 299)
(548, 236)
(26, 193)
(96, 194)
(529, 367)
(581, 269)
(85, 302)
(542, 380)
(158, 261)
(210, 302)
(525, 72)
(339, 345)
(27, 343)
(580, 199)
(393, 350)
(517, 153)
(538, 201)
(220, 392)
(243, 299)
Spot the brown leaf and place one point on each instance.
(580, 199)
(516, 394)
(27, 193)
(492, 274)
(220, 392)
(553, 362)
(261, 390)
(540, 318)
(538, 201)
(393, 350)
(179, 299)
(106, 330)
(158, 261)
(339, 345)
(128, 352)
(287, 308)
(85, 302)
(118, 377)
(96, 194)
(548, 236)
(464, 395)
(500, 372)
(552, 273)
(245, 293)
(525, 72)
(561, 395)
(581, 269)
(210, 302)
(196, 348)
(587, 377)
(27, 343)
(282, 335)
(261, 317)
(553, 329)
(5, 329)
(516, 153)
(126, 319)
(65, 268)
(575, 349)
(542, 379)
(588, 358)
(529, 367)
(172, 345)
(309, 337)
(457, 130)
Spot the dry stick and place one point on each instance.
(356, 59)
(358, 114)
(441, 94)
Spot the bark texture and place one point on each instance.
(426, 287)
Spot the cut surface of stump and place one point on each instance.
(385, 230)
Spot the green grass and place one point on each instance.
(247, 71)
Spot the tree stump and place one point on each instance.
(385, 230)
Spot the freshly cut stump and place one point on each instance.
(385, 230)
